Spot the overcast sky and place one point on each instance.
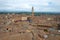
(26, 5)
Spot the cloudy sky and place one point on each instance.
(26, 5)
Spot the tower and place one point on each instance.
(32, 11)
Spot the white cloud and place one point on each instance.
(40, 5)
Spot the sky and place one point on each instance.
(26, 5)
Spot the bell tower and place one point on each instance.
(32, 11)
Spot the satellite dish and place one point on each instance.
(45, 36)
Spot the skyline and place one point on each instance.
(26, 5)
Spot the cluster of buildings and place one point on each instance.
(29, 27)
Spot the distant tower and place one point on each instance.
(32, 11)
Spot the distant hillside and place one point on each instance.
(36, 13)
